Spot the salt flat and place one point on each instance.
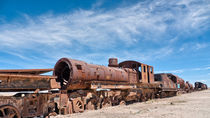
(191, 105)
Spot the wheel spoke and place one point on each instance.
(9, 112)
(12, 115)
(78, 105)
(3, 113)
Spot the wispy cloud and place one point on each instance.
(185, 70)
(171, 71)
(202, 80)
(193, 46)
(91, 33)
(203, 68)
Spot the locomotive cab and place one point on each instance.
(145, 72)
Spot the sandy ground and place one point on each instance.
(191, 105)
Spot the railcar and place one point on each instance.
(200, 86)
(189, 87)
(25, 93)
(96, 86)
(168, 84)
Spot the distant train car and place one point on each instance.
(200, 86)
(189, 87)
(206, 86)
(168, 84)
(179, 83)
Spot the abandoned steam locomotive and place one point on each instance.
(76, 86)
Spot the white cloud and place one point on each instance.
(200, 46)
(185, 70)
(198, 69)
(193, 46)
(201, 80)
(207, 68)
(72, 33)
(171, 71)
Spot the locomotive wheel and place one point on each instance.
(122, 102)
(9, 112)
(78, 105)
(90, 105)
(158, 95)
(106, 103)
(150, 96)
(163, 95)
(115, 101)
(147, 96)
(153, 96)
(143, 98)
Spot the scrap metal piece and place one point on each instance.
(17, 82)
(26, 71)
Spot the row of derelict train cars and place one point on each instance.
(76, 86)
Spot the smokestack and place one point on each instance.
(113, 62)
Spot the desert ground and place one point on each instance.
(191, 105)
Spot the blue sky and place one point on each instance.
(171, 36)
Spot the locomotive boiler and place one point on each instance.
(69, 71)
(73, 73)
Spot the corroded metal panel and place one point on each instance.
(14, 82)
(26, 71)
(165, 81)
(180, 83)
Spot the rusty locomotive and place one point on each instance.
(200, 86)
(76, 86)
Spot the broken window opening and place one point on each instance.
(151, 70)
(79, 67)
